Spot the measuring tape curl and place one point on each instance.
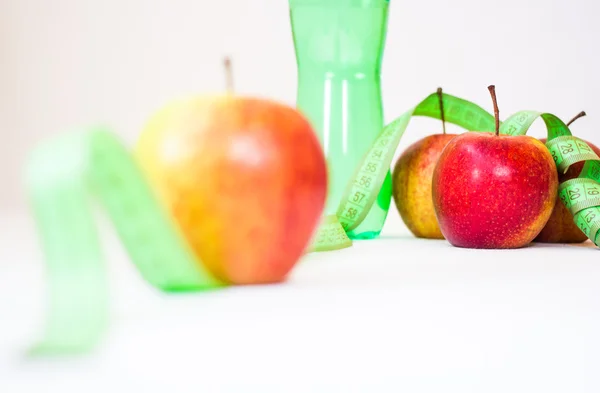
(581, 195)
(361, 193)
(62, 178)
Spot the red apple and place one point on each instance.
(494, 191)
(561, 227)
(412, 178)
(244, 178)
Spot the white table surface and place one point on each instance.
(390, 315)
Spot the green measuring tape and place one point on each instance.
(66, 175)
(582, 195)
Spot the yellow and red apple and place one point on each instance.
(412, 179)
(245, 179)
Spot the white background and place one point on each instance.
(390, 315)
(70, 63)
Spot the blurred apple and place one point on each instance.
(244, 178)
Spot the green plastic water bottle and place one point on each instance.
(339, 49)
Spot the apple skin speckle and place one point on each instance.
(494, 192)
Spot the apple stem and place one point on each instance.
(441, 98)
(228, 74)
(492, 90)
(579, 115)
